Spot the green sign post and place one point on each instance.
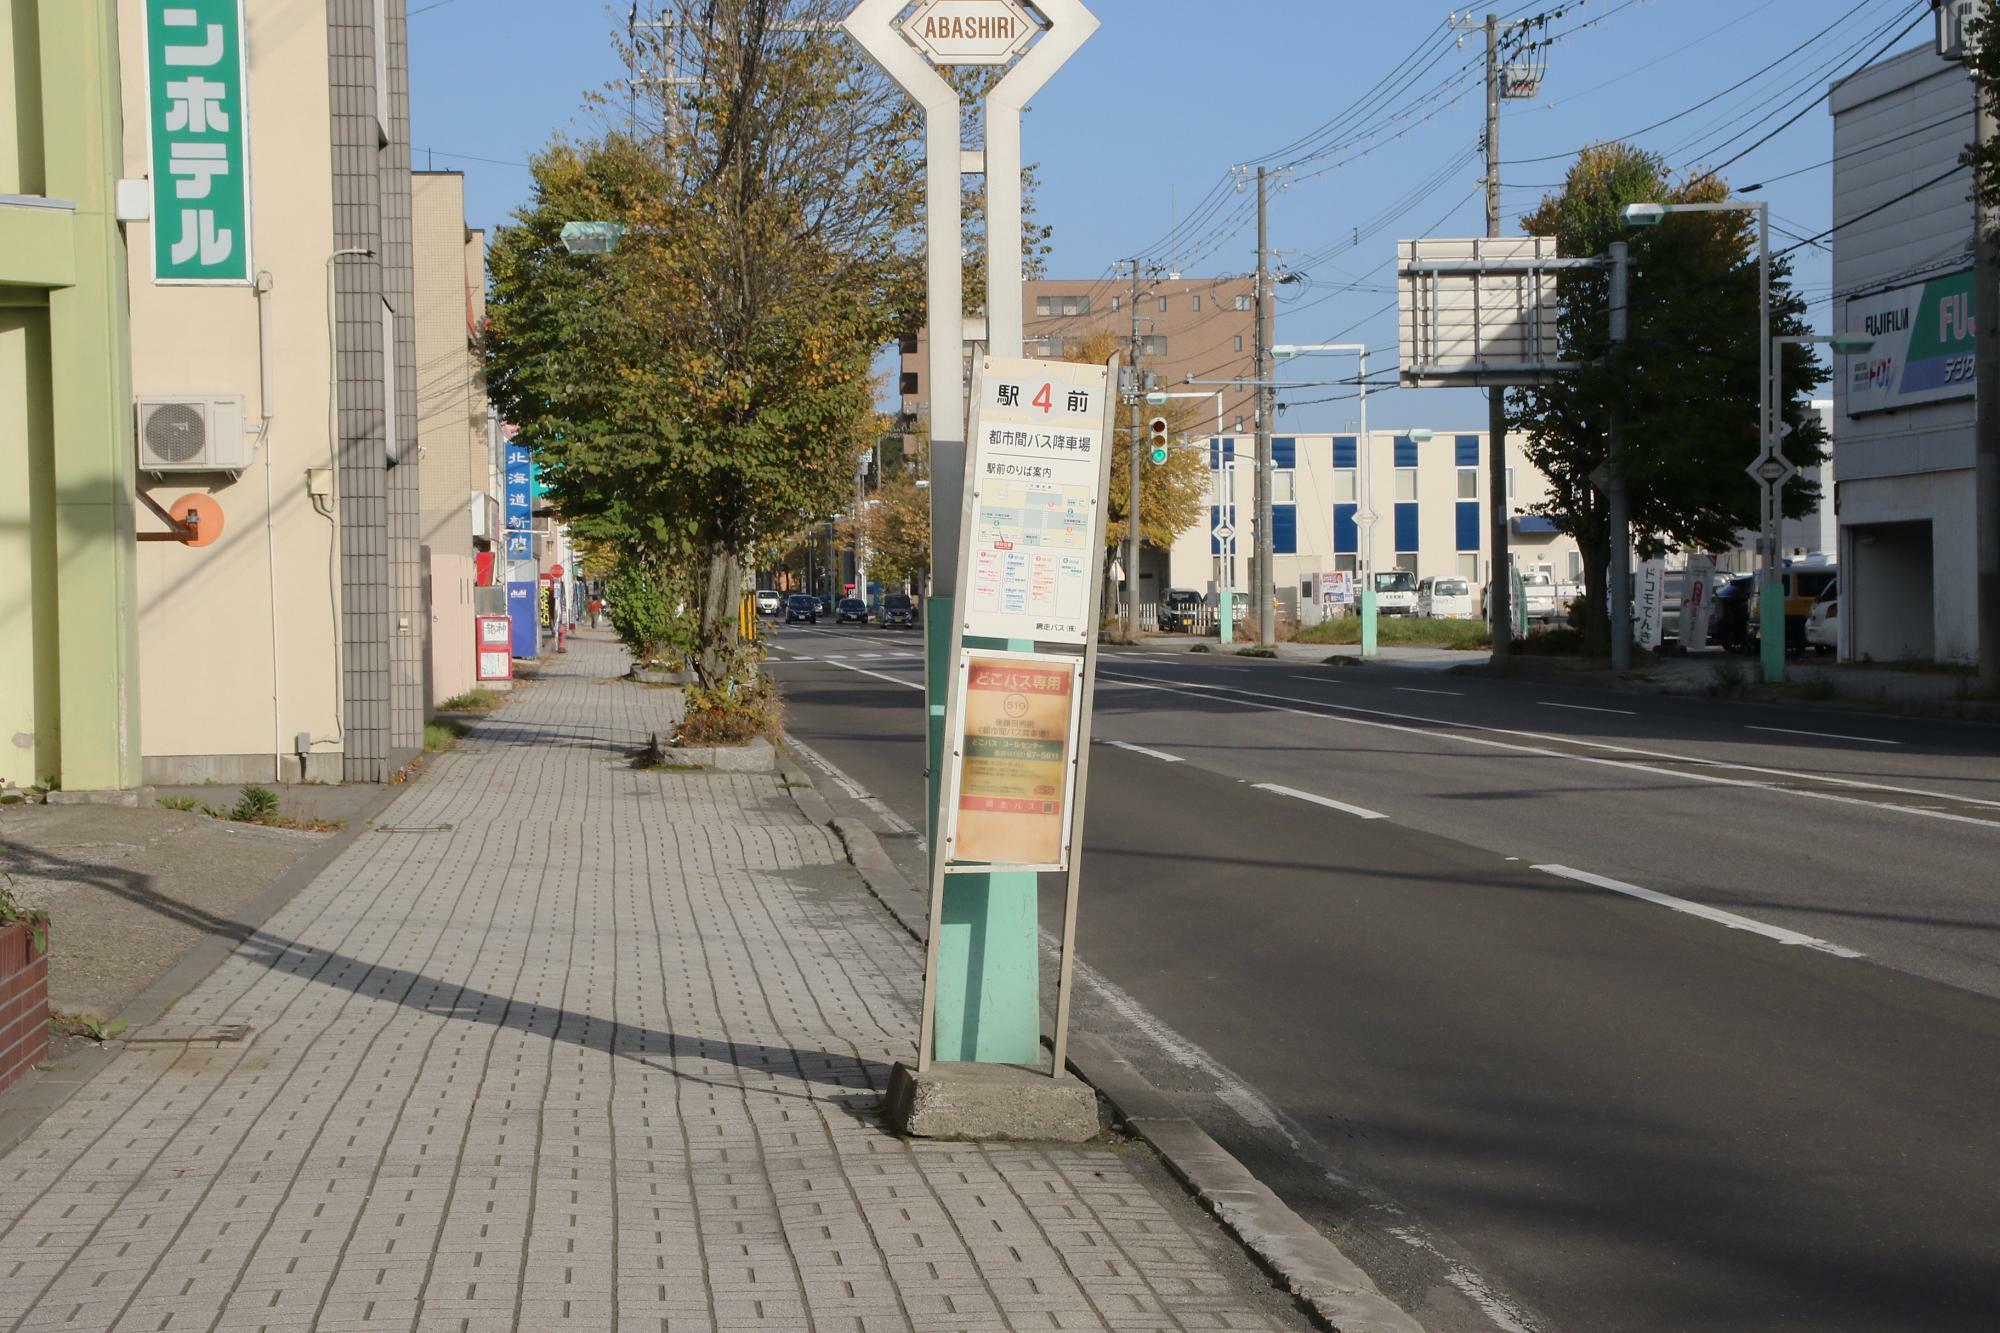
(196, 115)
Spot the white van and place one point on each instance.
(1444, 599)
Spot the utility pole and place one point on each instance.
(1267, 585)
(1500, 594)
(1132, 536)
(1618, 498)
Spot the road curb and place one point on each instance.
(1329, 1285)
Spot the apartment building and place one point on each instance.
(266, 186)
(1204, 328)
(1431, 497)
(461, 508)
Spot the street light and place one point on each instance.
(592, 238)
(1769, 594)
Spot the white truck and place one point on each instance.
(1538, 594)
(1396, 593)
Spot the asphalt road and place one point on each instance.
(1560, 1009)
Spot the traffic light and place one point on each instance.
(1158, 431)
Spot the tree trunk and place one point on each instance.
(1595, 621)
(721, 642)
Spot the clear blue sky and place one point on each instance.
(1171, 94)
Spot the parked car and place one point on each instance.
(1444, 599)
(899, 611)
(799, 606)
(1823, 621)
(1802, 583)
(769, 603)
(1538, 595)
(1396, 593)
(1184, 611)
(851, 611)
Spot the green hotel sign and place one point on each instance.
(196, 77)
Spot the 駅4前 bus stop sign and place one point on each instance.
(981, 984)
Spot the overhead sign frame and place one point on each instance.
(1480, 312)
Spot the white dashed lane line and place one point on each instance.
(1326, 801)
(1586, 708)
(1160, 755)
(1824, 735)
(1715, 914)
(1411, 689)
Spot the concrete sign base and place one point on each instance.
(978, 1102)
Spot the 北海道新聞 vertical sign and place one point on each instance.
(1037, 444)
(198, 122)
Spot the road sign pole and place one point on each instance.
(981, 993)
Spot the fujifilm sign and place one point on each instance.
(1923, 353)
(971, 32)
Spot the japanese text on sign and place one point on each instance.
(196, 113)
(1037, 436)
(1016, 743)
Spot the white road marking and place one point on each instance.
(1825, 735)
(869, 657)
(1160, 755)
(894, 822)
(1317, 680)
(864, 671)
(1715, 914)
(1365, 716)
(1328, 802)
(1586, 708)
(1411, 689)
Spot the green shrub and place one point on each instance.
(653, 611)
(1402, 631)
(481, 700)
(731, 716)
(179, 803)
(256, 805)
(443, 735)
(1559, 642)
(12, 913)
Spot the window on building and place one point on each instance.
(1407, 560)
(1153, 344)
(391, 445)
(1197, 305)
(1344, 564)
(1045, 347)
(1239, 342)
(908, 344)
(1576, 566)
(1406, 484)
(382, 68)
(1510, 485)
(1468, 483)
(910, 378)
(1117, 304)
(1062, 305)
(1284, 488)
(1468, 567)
(1239, 425)
(1343, 486)
(1242, 303)
(1163, 305)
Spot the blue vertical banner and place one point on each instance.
(520, 520)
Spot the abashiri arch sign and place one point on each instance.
(971, 32)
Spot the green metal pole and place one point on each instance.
(1771, 626)
(1370, 624)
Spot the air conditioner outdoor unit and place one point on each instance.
(186, 433)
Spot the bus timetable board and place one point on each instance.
(1015, 735)
(1036, 474)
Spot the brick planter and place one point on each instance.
(24, 1004)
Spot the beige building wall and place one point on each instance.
(1441, 481)
(239, 641)
(451, 418)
